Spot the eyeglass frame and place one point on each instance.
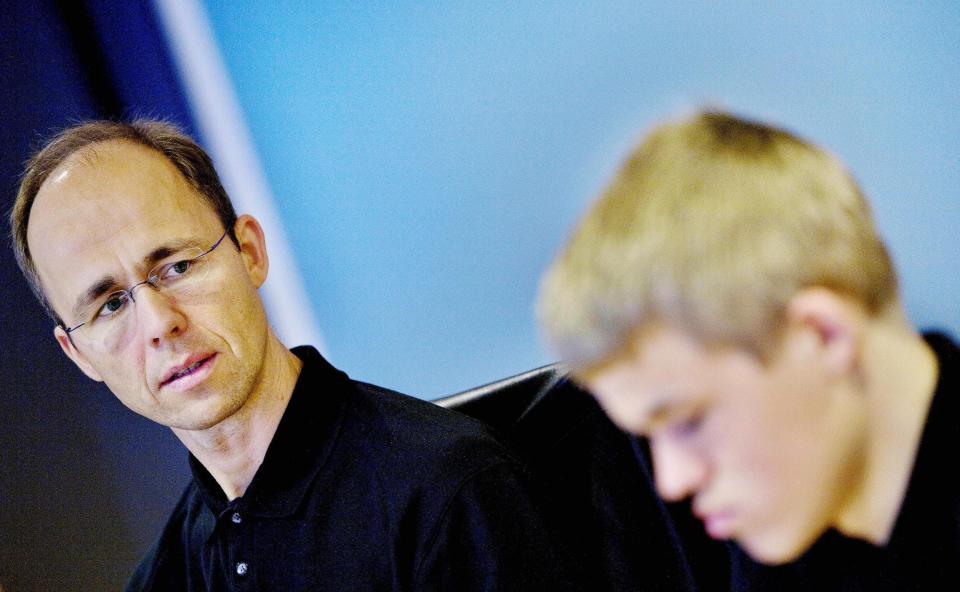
(152, 280)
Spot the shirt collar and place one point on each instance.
(931, 496)
(300, 447)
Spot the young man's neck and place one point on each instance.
(899, 374)
(233, 450)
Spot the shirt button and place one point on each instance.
(242, 568)
(236, 519)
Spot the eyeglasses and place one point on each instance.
(180, 274)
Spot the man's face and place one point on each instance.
(768, 452)
(104, 218)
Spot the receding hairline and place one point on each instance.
(89, 156)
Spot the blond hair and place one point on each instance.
(712, 225)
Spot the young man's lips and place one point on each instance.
(719, 525)
(193, 370)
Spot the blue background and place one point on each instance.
(429, 159)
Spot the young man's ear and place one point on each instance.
(66, 344)
(253, 248)
(834, 323)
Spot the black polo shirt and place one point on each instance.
(360, 489)
(923, 552)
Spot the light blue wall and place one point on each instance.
(428, 159)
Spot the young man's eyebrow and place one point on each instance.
(661, 412)
(656, 413)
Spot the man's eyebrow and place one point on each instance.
(102, 286)
(108, 283)
(167, 249)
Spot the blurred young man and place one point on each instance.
(303, 479)
(728, 297)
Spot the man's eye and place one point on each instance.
(177, 269)
(112, 306)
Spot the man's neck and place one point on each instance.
(233, 450)
(899, 378)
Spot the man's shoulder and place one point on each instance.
(418, 429)
(411, 450)
(387, 428)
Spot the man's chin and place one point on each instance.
(193, 425)
(198, 419)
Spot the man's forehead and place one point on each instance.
(106, 160)
(109, 178)
(107, 205)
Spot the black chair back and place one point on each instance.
(505, 402)
(598, 485)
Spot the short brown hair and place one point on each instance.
(712, 225)
(167, 139)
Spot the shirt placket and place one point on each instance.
(236, 540)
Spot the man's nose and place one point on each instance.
(679, 471)
(158, 315)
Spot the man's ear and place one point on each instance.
(833, 323)
(66, 344)
(253, 248)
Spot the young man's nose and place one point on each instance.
(679, 471)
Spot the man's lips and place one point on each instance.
(191, 366)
